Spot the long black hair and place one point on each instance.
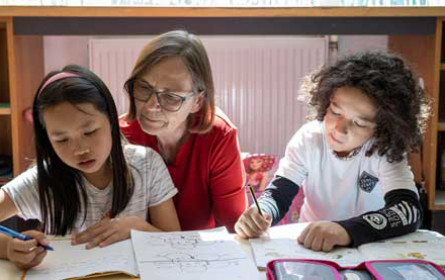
(402, 107)
(60, 186)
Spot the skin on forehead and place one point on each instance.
(171, 73)
(355, 103)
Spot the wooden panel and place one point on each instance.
(427, 65)
(221, 12)
(441, 97)
(4, 82)
(5, 118)
(5, 136)
(219, 26)
(26, 74)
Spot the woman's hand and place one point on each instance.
(109, 231)
(27, 254)
(323, 236)
(252, 224)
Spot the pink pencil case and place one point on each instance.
(308, 269)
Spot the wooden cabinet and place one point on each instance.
(20, 74)
(5, 107)
(437, 190)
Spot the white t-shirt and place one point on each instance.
(337, 189)
(152, 186)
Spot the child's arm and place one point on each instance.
(7, 207)
(163, 218)
(400, 215)
(24, 254)
(274, 203)
(277, 198)
(7, 210)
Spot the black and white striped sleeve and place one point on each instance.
(277, 198)
(401, 214)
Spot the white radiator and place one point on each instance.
(257, 79)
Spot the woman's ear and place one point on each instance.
(198, 101)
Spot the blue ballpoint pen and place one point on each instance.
(20, 236)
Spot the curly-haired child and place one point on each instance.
(351, 160)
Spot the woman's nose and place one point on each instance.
(153, 103)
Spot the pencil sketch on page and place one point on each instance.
(190, 255)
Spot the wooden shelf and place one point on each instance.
(5, 109)
(442, 66)
(441, 126)
(229, 11)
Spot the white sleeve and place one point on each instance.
(396, 175)
(293, 165)
(160, 184)
(23, 191)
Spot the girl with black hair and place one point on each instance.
(86, 182)
(351, 160)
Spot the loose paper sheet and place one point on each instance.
(191, 255)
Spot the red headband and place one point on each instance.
(57, 77)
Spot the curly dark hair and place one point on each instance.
(402, 107)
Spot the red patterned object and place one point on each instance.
(260, 169)
(267, 162)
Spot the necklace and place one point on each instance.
(351, 154)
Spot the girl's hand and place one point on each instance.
(252, 224)
(108, 231)
(27, 254)
(323, 236)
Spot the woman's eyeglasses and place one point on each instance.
(169, 101)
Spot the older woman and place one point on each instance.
(172, 110)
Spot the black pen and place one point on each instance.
(254, 200)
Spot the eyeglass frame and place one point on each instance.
(158, 92)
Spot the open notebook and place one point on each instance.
(281, 244)
(67, 261)
(167, 255)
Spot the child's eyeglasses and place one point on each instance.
(169, 101)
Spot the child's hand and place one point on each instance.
(323, 236)
(27, 254)
(108, 231)
(252, 224)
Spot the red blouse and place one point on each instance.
(207, 172)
